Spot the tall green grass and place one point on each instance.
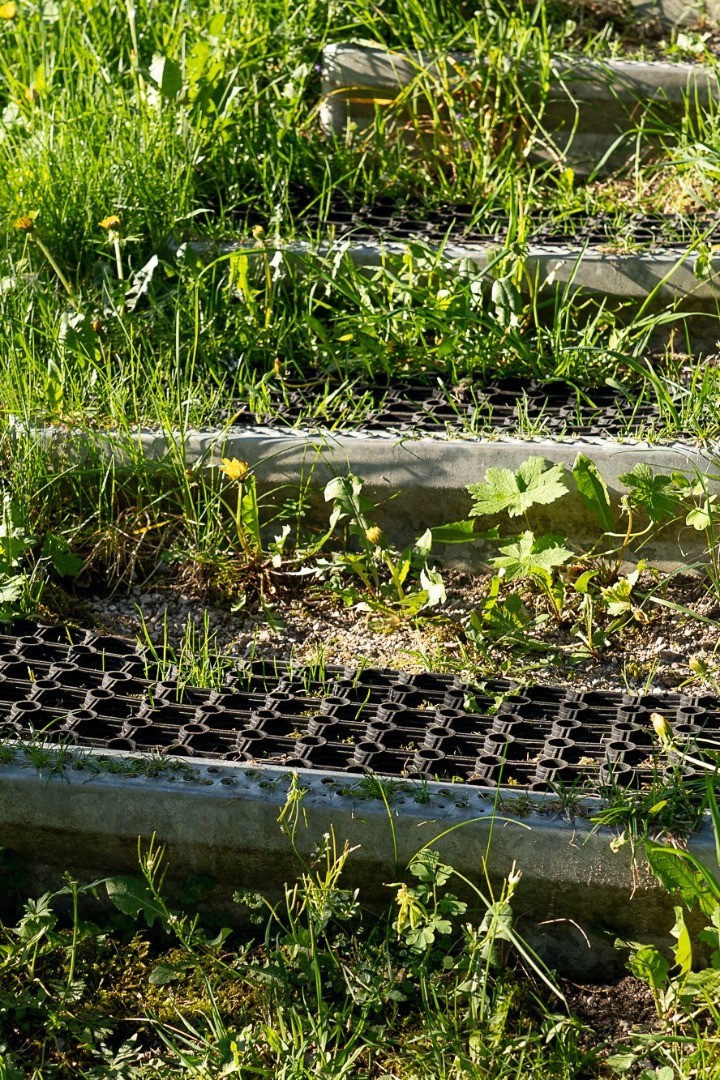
(198, 121)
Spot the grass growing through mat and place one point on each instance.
(128, 130)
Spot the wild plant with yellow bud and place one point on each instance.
(25, 224)
(670, 744)
(245, 512)
(111, 224)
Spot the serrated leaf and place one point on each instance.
(594, 491)
(701, 984)
(618, 597)
(680, 872)
(10, 589)
(507, 618)
(527, 555)
(517, 491)
(653, 492)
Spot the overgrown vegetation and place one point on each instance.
(320, 987)
(157, 160)
(129, 131)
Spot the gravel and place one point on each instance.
(668, 650)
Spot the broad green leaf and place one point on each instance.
(10, 589)
(594, 491)
(57, 549)
(132, 896)
(163, 974)
(582, 584)
(622, 1063)
(402, 568)
(526, 556)
(166, 75)
(217, 25)
(457, 532)
(683, 949)
(651, 491)
(679, 871)
(507, 301)
(648, 963)
(345, 488)
(700, 517)
(517, 491)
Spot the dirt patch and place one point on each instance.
(662, 648)
(612, 1012)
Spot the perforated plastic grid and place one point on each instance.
(466, 223)
(80, 689)
(502, 404)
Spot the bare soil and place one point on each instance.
(660, 648)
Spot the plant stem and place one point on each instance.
(60, 276)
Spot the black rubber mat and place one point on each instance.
(81, 689)
(466, 223)
(504, 405)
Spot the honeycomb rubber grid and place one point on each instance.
(464, 223)
(501, 404)
(93, 691)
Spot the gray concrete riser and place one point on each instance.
(589, 117)
(419, 482)
(89, 824)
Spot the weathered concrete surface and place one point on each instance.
(670, 274)
(417, 482)
(679, 12)
(222, 821)
(587, 118)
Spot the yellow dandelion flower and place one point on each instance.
(234, 469)
(8, 11)
(374, 535)
(26, 223)
(112, 221)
